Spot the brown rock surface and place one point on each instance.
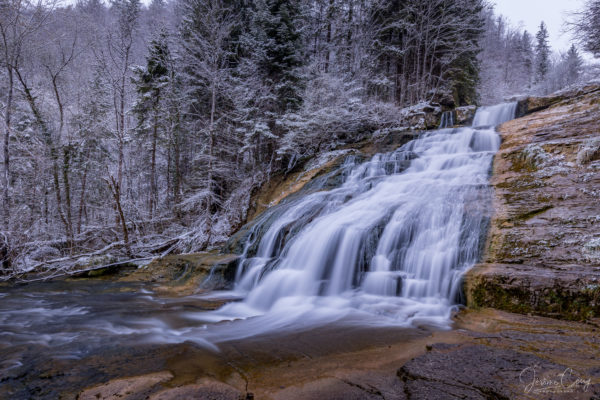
(543, 250)
(536, 103)
(185, 274)
(126, 388)
(489, 355)
(207, 389)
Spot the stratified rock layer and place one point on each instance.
(543, 248)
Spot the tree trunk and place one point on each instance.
(66, 164)
(115, 191)
(67, 188)
(327, 49)
(51, 145)
(153, 185)
(211, 144)
(6, 175)
(83, 188)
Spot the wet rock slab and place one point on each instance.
(542, 254)
(482, 372)
(185, 274)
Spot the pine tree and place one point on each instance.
(280, 50)
(208, 31)
(93, 134)
(542, 54)
(573, 65)
(151, 81)
(526, 58)
(463, 78)
(427, 46)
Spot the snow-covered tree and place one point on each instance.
(206, 57)
(276, 26)
(542, 53)
(152, 82)
(586, 26)
(574, 65)
(141, 129)
(425, 47)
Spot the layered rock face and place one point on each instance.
(543, 248)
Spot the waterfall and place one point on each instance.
(447, 120)
(494, 115)
(393, 240)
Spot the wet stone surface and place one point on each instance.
(541, 255)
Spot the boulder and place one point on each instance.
(184, 274)
(464, 115)
(422, 116)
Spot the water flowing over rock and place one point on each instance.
(447, 120)
(494, 115)
(393, 240)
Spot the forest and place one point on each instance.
(133, 130)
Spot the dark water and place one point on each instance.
(74, 317)
(57, 338)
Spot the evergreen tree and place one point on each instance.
(277, 35)
(92, 124)
(151, 82)
(542, 54)
(428, 46)
(526, 58)
(573, 65)
(463, 78)
(157, 16)
(208, 50)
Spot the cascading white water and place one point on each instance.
(393, 240)
(447, 120)
(494, 115)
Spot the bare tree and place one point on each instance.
(119, 48)
(586, 26)
(18, 21)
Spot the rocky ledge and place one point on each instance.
(543, 247)
(186, 274)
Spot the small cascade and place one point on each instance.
(492, 116)
(447, 120)
(393, 240)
